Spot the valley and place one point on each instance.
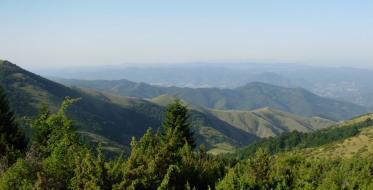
(125, 117)
(232, 124)
(341, 83)
(186, 95)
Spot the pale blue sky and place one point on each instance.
(43, 33)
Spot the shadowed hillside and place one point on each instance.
(114, 119)
(103, 116)
(93, 113)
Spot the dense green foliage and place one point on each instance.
(12, 139)
(293, 171)
(175, 124)
(298, 140)
(56, 158)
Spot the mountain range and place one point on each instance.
(124, 117)
(251, 96)
(341, 83)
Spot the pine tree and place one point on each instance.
(11, 137)
(176, 125)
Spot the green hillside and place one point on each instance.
(115, 119)
(264, 122)
(218, 135)
(100, 116)
(249, 97)
(360, 144)
(300, 160)
(267, 122)
(339, 157)
(27, 92)
(347, 137)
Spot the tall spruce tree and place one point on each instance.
(176, 126)
(11, 137)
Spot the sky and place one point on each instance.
(53, 33)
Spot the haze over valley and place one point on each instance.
(204, 95)
(342, 83)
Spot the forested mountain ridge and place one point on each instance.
(124, 117)
(55, 158)
(27, 92)
(265, 122)
(111, 117)
(252, 96)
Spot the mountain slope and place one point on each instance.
(330, 141)
(104, 116)
(216, 134)
(27, 91)
(249, 97)
(360, 144)
(268, 122)
(115, 119)
(264, 122)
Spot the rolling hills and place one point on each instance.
(341, 83)
(114, 119)
(102, 116)
(252, 96)
(265, 122)
(27, 92)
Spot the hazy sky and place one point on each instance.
(65, 33)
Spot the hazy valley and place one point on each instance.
(234, 122)
(186, 95)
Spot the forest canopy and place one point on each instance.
(55, 157)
